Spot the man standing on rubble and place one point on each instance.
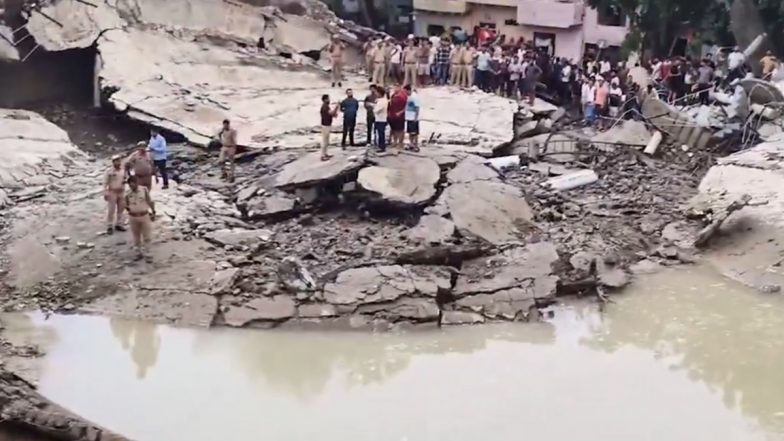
(442, 62)
(410, 57)
(370, 53)
(349, 106)
(370, 119)
(394, 57)
(601, 102)
(456, 66)
(141, 213)
(327, 114)
(336, 57)
(114, 195)
(735, 64)
(228, 140)
(532, 74)
(397, 118)
(704, 80)
(159, 153)
(140, 163)
(379, 63)
(423, 62)
(467, 67)
(412, 118)
(769, 64)
(588, 100)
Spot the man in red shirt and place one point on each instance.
(397, 117)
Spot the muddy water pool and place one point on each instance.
(682, 355)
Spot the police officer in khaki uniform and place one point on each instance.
(455, 68)
(410, 55)
(336, 57)
(114, 195)
(141, 163)
(370, 53)
(228, 140)
(141, 213)
(380, 64)
(467, 77)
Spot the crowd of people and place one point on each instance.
(128, 183)
(601, 89)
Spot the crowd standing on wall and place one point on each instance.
(600, 89)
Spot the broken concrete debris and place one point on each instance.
(492, 211)
(310, 170)
(432, 230)
(466, 229)
(402, 179)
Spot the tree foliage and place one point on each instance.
(656, 23)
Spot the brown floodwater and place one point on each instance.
(682, 355)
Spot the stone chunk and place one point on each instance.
(461, 318)
(310, 169)
(295, 276)
(405, 307)
(222, 281)
(402, 179)
(472, 168)
(493, 211)
(386, 283)
(432, 229)
(276, 308)
(317, 310)
(238, 237)
(270, 205)
(528, 267)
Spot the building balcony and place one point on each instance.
(446, 6)
(550, 13)
(509, 3)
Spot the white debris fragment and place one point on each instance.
(573, 180)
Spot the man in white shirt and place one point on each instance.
(395, 57)
(604, 66)
(566, 76)
(515, 70)
(588, 97)
(656, 71)
(735, 64)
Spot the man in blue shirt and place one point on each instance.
(349, 106)
(412, 118)
(158, 151)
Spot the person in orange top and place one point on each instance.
(602, 94)
(769, 63)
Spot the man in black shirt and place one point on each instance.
(327, 113)
(370, 102)
(349, 106)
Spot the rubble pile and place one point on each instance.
(506, 206)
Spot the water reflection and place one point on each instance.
(302, 364)
(681, 352)
(141, 338)
(719, 332)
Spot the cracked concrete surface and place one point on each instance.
(185, 67)
(751, 246)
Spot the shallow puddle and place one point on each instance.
(684, 355)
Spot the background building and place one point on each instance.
(564, 28)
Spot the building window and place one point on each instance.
(435, 30)
(610, 15)
(511, 22)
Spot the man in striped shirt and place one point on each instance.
(442, 62)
